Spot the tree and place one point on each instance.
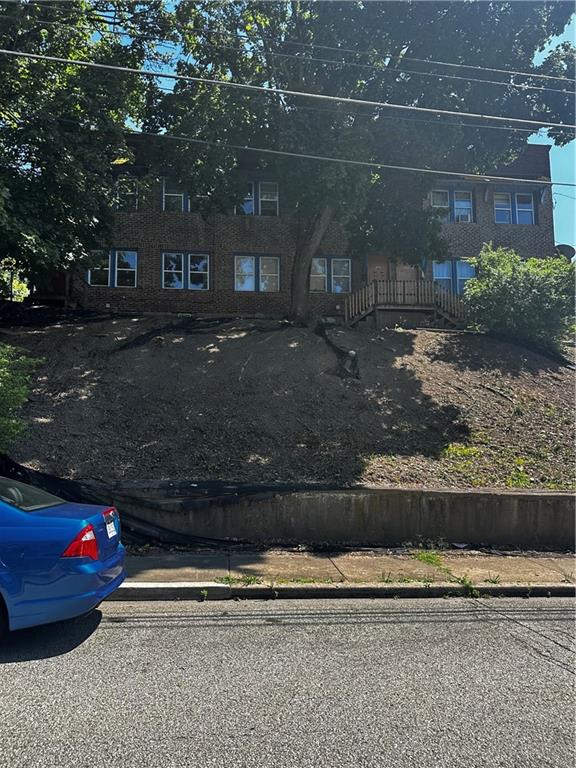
(364, 51)
(530, 301)
(63, 127)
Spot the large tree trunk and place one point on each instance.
(306, 249)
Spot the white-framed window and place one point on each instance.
(464, 272)
(524, 208)
(462, 206)
(173, 197)
(126, 269)
(502, 208)
(442, 274)
(244, 273)
(269, 274)
(126, 194)
(99, 273)
(341, 275)
(246, 207)
(172, 270)
(319, 275)
(439, 198)
(257, 273)
(268, 191)
(198, 271)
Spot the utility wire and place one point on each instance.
(329, 159)
(403, 118)
(402, 58)
(381, 70)
(279, 91)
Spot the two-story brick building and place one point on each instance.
(168, 259)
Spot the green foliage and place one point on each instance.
(15, 371)
(529, 301)
(12, 286)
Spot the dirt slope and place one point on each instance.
(168, 398)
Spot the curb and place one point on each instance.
(202, 591)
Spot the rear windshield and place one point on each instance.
(26, 497)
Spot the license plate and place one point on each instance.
(111, 529)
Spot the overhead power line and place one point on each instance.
(165, 42)
(329, 159)
(340, 49)
(280, 91)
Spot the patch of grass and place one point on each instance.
(15, 372)
(469, 588)
(519, 477)
(460, 451)
(246, 580)
(387, 578)
(429, 557)
(493, 579)
(567, 578)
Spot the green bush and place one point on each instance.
(15, 371)
(526, 300)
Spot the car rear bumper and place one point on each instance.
(79, 588)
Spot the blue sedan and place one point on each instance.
(57, 560)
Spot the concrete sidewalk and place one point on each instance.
(286, 573)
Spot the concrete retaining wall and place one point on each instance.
(373, 517)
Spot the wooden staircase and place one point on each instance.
(412, 295)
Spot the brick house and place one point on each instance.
(167, 259)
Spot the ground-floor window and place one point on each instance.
(453, 274)
(330, 275)
(257, 273)
(184, 270)
(116, 269)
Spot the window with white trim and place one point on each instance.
(257, 273)
(99, 273)
(173, 197)
(172, 270)
(126, 269)
(524, 208)
(268, 191)
(330, 275)
(462, 206)
(502, 208)
(439, 198)
(198, 271)
(341, 275)
(126, 194)
(246, 207)
(319, 275)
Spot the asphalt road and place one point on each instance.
(426, 683)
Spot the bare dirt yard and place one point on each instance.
(177, 398)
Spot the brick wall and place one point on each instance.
(152, 231)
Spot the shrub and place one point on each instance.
(525, 300)
(15, 371)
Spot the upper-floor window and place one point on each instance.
(117, 269)
(524, 208)
(502, 208)
(332, 275)
(173, 197)
(99, 273)
(268, 198)
(439, 198)
(126, 194)
(257, 273)
(186, 270)
(246, 207)
(462, 206)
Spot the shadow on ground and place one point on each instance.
(49, 640)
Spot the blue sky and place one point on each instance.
(563, 162)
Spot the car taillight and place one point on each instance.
(83, 545)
